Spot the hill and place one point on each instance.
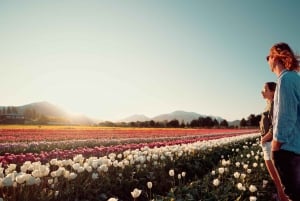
(179, 115)
(54, 114)
(134, 118)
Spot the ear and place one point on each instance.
(277, 61)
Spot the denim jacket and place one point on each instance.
(286, 113)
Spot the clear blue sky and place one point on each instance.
(114, 58)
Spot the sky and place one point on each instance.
(110, 59)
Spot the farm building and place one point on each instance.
(12, 119)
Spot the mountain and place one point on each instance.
(179, 115)
(44, 108)
(54, 114)
(57, 115)
(134, 118)
(235, 123)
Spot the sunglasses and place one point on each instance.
(267, 57)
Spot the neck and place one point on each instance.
(278, 70)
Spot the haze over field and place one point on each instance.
(113, 59)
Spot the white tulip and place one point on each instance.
(7, 181)
(149, 184)
(72, 176)
(38, 181)
(171, 173)
(75, 166)
(112, 199)
(216, 182)
(20, 178)
(136, 193)
(221, 170)
(240, 187)
(80, 169)
(265, 182)
(252, 188)
(30, 180)
(50, 181)
(88, 168)
(252, 198)
(236, 175)
(102, 168)
(95, 176)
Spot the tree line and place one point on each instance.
(201, 122)
(33, 117)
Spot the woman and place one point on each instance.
(286, 118)
(266, 130)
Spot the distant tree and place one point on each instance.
(224, 124)
(132, 124)
(243, 123)
(8, 111)
(143, 124)
(201, 122)
(173, 123)
(208, 122)
(187, 125)
(122, 124)
(151, 123)
(253, 120)
(194, 123)
(164, 123)
(107, 123)
(216, 124)
(257, 120)
(160, 124)
(182, 124)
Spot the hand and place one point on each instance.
(275, 145)
(267, 138)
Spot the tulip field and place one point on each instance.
(74, 163)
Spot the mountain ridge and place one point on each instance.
(180, 115)
(51, 110)
(54, 113)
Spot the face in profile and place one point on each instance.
(267, 93)
(271, 63)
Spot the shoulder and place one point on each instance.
(290, 74)
(290, 77)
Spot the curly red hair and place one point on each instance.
(286, 56)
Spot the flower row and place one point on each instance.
(59, 179)
(59, 134)
(97, 151)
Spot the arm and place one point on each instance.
(268, 137)
(276, 145)
(285, 112)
